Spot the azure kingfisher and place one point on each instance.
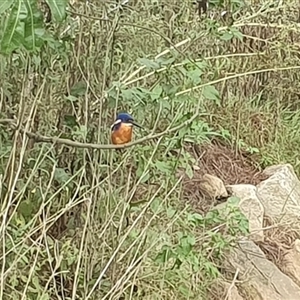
(121, 130)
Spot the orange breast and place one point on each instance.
(122, 136)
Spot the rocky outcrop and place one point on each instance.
(291, 265)
(280, 193)
(278, 198)
(251, 207)
(261, 276)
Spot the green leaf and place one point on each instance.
(156, 92)
(145, 177)
(162, 166)
(134, 233)
(13, 280)
(5, 5)
(226, 36)
(189, 171)
(26, 208)
(155, 206)
(171, 212)
(195, 75)
(44, 297)
(9, 41)
(233, 201)
(29, 26)
(237, 34)
(127, 94)
(148, 63)
(164, 255)
(210, 92)
(36, 283)
(211, 270)
(79, 89)
(71, 98)
(81, 131)
(24, 27)
(185, 245)
(70, 121)
(58, 9)
(191, 240)
(195, 218)
(170, 89)
(61, 176)
(33, 30)
(166, 61)
(186, 292)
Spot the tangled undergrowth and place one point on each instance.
(83, 222)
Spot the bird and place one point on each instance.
(122, 128)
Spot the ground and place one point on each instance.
(214, 94)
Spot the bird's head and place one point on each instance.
(124, 118)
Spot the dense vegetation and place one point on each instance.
(80, 220)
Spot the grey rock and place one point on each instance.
(280, 193)
(251, 207)
(213, 187)
(260, 276)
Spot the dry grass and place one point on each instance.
(97, 224)
(279, 239)
(218, 159)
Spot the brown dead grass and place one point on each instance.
(279, 239)
(221, 160)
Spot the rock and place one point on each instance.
(280, 193)
(260, 278)
(297, 245)
(291, 265)
(251, 207)
(213, 187)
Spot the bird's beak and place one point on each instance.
(135, 124)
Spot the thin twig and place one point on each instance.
(232, 284)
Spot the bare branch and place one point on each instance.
(56, 140)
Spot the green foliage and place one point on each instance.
(189, 251)
(185, 250)
(5, 5)
(58, 9)
(24, 26)
(97, 224)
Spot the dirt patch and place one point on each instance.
(218, 159)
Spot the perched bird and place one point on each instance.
(121, 130)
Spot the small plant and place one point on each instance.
(203, 244)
